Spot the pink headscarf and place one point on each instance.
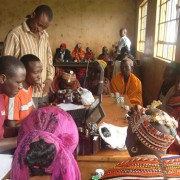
(63, 165)
(54, 120)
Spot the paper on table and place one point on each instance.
(70, 106)
(5, 164)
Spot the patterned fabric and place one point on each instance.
(63, 165)
(145, 167)
(56, 85)
(54, 120)
(78, 55)
(150, 136)
(21, 41)
(89, 56)
(133, 88)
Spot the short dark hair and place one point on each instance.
(44, 9)
(9, 65)
(28, 58)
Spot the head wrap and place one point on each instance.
(149, 135)
(63, 165)
(54, 120)
(63, 45)
(102, 63)
(69, 77)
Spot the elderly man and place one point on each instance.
(31, 38)
(12, 74)
(124, 41)
(126, 83)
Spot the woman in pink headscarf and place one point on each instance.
(46, 141)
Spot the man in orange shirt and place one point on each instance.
(19, 107)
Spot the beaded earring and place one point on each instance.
(134, 149)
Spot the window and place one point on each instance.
(142, 26)
(166, 29)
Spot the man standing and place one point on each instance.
(124, 41)
(31, 38)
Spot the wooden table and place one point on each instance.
(106, 158)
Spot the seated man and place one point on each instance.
(62, 54)
(12, 74)
(126, 83)
(89, 55)
(169, 79)
(19, 107)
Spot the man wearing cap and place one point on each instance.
(62, 54)
(126, 83)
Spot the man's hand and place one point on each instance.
(46, 87)
(37, 88)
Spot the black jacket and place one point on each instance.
(67, 55)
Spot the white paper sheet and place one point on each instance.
(5, 164)
(70, 106)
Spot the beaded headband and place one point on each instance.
(70, 77)
(150, 136)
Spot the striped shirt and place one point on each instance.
(21, 41)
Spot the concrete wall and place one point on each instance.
(94, 23)
(152, 68)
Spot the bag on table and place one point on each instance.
(86, 96)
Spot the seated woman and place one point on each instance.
(149, 135)
(169, 79)
(66, 81)
(78, 56)
(89, 55)
(46, 141)
(95, 81)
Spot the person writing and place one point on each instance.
(20, 106)
(12, 74)
(31, 38)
